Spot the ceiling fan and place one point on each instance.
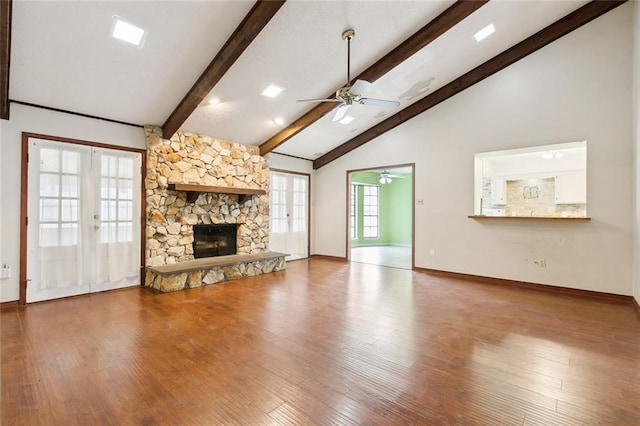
(352, 94)
(385, 177)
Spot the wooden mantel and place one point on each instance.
(193, 191)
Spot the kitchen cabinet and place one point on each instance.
(571, 187)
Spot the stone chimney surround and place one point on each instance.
(191, 159)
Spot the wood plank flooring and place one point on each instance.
(324, 342)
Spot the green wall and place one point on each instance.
(395, 210)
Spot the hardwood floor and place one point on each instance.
(324, 342)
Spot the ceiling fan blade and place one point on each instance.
(359, 87)
(319, 100)
(340, 112)
(379, 102)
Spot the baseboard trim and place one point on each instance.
(8, 306)
(326, 257)
(566, 291)
(636, 306)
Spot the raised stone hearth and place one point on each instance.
(212, 270)
(194, 159)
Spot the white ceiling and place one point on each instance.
(62, 56)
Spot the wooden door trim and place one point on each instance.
(24, 198)
(5, 53)
(413, 207)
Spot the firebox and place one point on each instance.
(214, 240)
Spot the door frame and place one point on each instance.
(24, 199)
(308, 175)
(413, 207)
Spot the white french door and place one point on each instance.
(83, 232)
(289, 214)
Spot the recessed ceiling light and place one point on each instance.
(272, 91)
(213, 101)
(279, 121)
(347, 119)
(125, 31)
(485, 32)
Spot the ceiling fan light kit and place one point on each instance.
(349, 94)
(385, 177)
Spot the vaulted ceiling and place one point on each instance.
(418, 53)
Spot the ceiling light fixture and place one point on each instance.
(485, 32)
(548, 155)
(125, 31)
(272, 91)
(279, 121)
(346, 120)
(385, 177)
(214, 101)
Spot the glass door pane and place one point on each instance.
(289, 213)
(55, 264)
(83, 232)
(117, 218)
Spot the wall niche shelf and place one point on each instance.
(566, 219)
(194, 191)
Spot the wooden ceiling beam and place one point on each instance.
(5, 56)
(431, 31)
(257, 18)
(558, 29)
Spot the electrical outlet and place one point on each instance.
(432, 252)
(421, 201)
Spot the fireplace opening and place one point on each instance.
(214, 240)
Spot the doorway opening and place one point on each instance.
(380, 216)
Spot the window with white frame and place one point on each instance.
(278, 199)
(299, 204)
(59, 197)
(116, 198)
(370, 211)
(353, 217)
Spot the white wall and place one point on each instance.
(636, 115)
(577, 88)
(292, 164)
(34, 120)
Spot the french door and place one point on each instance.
(83, 229)
(289, 214)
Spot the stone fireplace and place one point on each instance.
(214, 240)
(173, 216)
(197, 159)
